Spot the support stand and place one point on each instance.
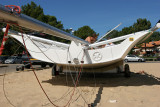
(5, 37)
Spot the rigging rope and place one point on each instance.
(39, 81)
(4, 91)
(76, 81)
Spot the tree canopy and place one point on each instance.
(84, 32)
(141, 24)
(36, 11)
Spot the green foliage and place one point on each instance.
(32, 10)
(155, 37)
(126, 30)
(113, 34)
(36, 12)
(84, 32)
(11, 47)
(141, 24)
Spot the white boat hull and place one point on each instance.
(75, 54)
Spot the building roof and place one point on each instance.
(148, 45)
(157, 42)
(151, 44)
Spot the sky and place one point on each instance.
(100, 15)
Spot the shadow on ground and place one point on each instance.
(106, 80)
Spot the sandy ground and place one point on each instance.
(105, 90)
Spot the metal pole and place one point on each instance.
(108, 33)
(5, 37)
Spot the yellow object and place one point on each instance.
(131, 39)
(33, 59)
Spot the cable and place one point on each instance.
(75, 82)
(36, 42)
(53, 61)
(78, 78)
(68, 91)
(4, 91)
(43, 52)
(35, 72)
(75, 86)
(39, 81)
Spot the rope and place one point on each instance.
(34, 71)
(39, 81)
(76, 79)
(76, 83)
(4, 91)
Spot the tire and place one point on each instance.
(127, 72)
(28, 66)
(50, 65)
(139, 60)
(126, 60)
(17, 68)
(43, 65)
(22, 68)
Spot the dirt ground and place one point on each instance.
(142, 89)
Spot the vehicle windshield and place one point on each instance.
(12, 57)
(3, 57)
(25, 56)
(131, 56)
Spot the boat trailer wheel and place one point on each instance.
(20, 68)
(127, 72)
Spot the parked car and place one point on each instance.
(14, 60)
(2, 59)
(34, 61)
(133, 58)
